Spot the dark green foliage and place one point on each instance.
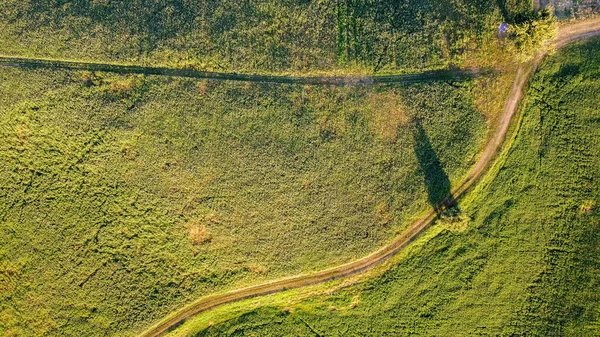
(532, 35)
(391, 35)
(528, 264)
(515, 11)
(252, 36)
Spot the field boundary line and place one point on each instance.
(349, 80)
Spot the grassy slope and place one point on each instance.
(255, 36)
(105, 187)
(525, 264)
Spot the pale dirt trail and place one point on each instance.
(577, 31)
(566, 35)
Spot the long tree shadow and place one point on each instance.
(436, 180)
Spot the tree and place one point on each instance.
(533, 36)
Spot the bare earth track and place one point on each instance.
(567, 34)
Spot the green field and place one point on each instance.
(518, 257)
(324, 36)
(125, 197)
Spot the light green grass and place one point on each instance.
(527, 264)
(105, 188)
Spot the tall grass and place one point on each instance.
(125, 197)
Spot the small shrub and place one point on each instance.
(127, 150)
(90, 79)
(122, 88)
(125, 88)
(454, 220)
(202, 87)
(199, 234)
(588, 206)
(533, 36)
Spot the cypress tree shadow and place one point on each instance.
(436, 180)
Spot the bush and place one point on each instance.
(199, 234)
(533, 36)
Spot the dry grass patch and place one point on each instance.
(355, 301)
(258, 269)
(587, 206)
(125, 87)
(22, 133)
(382, 213)
(388, 114)
(202, 87)
(199, 234)
(491, 93)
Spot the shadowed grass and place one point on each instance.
(163, 190)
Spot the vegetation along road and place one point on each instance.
(566, 35)
(436, 75)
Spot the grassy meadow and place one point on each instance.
(125, 197)
(299, 37)
(518, 257)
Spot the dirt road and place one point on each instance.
(567, 34)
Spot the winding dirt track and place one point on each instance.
(435, 75)
(566, 35)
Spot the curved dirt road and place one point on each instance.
(567, 34)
